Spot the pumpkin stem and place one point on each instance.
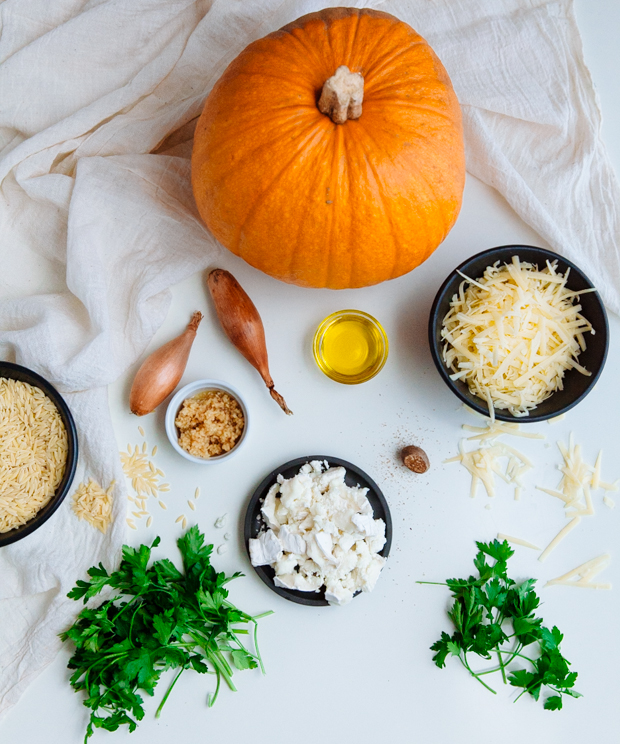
(342, 95)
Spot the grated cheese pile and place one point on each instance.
(512, 334)
(94, 505)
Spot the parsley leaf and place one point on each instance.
(494, 617)
(159, 619)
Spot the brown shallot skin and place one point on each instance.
(161, 371)
(243, 325)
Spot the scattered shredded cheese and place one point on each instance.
(517, 541)
(558, 538)
(582, 575)
(513, 333)
(484, 463)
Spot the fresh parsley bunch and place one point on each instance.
(158, 619)
(494, 619)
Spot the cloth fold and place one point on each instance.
(97, 218)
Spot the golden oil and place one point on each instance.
(350, 346)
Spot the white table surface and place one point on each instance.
(363, 673)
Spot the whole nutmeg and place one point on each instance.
(415, 458)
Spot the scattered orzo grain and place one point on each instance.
(137, 467)
(180, 519)
(94, 505)
(163, 506)
(192, 506)
(33, 443)
(131, 524)
(149, 521)
(141, 430)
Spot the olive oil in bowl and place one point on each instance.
(350, 346)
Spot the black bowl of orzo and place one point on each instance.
(38, 451)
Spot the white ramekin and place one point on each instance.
(187, 391)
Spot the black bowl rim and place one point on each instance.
(6, 370)
(311, 599)
(442, 369)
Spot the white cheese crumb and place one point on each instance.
(222, 549)
(221, 521)
(265, 549)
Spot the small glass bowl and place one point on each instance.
(187, 392)
(378, 353)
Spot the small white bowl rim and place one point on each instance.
(186, 392)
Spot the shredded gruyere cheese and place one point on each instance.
(578, 481)
(558, 538)
(483, 464)
(513, 333)
(517, 541)
(582, 575)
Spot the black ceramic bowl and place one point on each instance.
(254, 522)
(17, 372)
(576, 385)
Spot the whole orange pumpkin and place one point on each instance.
(303, 179)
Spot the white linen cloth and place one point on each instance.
(95, 227)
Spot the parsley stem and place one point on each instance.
(436, 583)
(220, 663)
(260, 658)
(212, 698)
(473, 674)
(174, 681)
(501, 666)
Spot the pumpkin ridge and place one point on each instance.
(309, 50)
(264, 191)
(253, 125)
(253, 73)
(438, 200)
(379, 66)
(336, 158)
(295, 254)
(349, 53)
(367, 53)
(403, 103)
(216, 183)
(385, 206)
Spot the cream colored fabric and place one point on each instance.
(94, 229)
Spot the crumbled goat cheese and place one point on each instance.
(320, 534)
(265, 549)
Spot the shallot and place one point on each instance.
(161, 371)
(243, 325)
